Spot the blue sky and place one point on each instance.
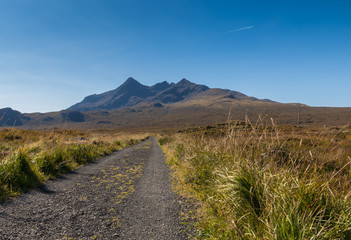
(53, 53)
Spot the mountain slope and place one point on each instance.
(130, 93)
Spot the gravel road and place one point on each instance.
(126, 195)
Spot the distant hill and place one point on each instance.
(72, 116)
(131, 93)
(11, 118)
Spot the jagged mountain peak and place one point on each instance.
(131, 82)
(186, 83)
(164, 83)
(130, 79)
(160, 86)
(183, 81)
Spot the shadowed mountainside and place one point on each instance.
(10, 117)
(130, 93)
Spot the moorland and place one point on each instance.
(258, 181)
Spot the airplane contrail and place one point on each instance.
(221, 33)
(238, 29)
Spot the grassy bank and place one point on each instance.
(29, 158)
(253, 181)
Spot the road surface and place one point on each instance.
(126, 195)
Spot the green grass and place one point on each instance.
(17, 174)
(253, 181)
(29, 158)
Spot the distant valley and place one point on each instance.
(171, 105)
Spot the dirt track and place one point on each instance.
(126, 195)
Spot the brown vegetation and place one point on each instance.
(258, 181)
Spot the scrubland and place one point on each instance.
(29, 158)
(262, 181)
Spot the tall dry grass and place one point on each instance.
(259, 181)
(29, 158)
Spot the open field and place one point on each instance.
(258, 181)
(193, 112)
(28, 158)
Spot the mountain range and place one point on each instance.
(131, 93)
(171, 105)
